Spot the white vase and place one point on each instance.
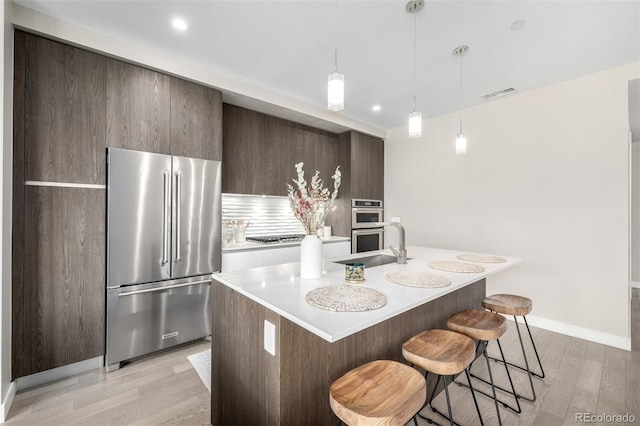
(311, 257)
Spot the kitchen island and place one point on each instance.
(313, 347)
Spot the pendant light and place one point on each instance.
(461, 138)
(335, 85)
(415, 117)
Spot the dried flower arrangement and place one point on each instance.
(312, 205)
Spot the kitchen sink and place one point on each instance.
(371, 261)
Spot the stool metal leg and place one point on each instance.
(540, 375)
(435, 410)
(513, 389)
(473, 394)
(493, 388)
(446, 391)
(535, 350)
(490, 382)
(526, 363)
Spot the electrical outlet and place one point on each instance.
(269, 337)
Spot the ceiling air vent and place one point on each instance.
(499, 93)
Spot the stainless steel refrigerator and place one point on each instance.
(163, 244)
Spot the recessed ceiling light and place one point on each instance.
(519, 24)
(376, 108)
(179, 24)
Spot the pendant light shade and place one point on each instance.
(461, 143)
(335, 91)
(415, 124)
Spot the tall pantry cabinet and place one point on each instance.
(69, 106)
(58, 225)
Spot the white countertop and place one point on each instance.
(258, 246)
(280, 289)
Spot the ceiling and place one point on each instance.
(288, 46)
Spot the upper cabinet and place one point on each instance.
(245, 166)
(64, 113)
(362, 178)
(367, 166)
(260, 152)
(196, 120)
(138, 108)
(152, 112)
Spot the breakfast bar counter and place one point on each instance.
(309, 347)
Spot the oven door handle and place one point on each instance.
(369, 231)
(374, 230)
(367, 209)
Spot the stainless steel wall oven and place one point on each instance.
(366, 232)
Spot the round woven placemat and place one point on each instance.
(454, 266)
(346, 298)
(481, 258)
(417, 279)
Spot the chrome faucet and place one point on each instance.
(401, 251)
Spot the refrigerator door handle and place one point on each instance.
(150, 290)
(165, 217)
(178, 202)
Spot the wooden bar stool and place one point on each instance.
(485, 326)
(378, 393)
(509, 304)
(444, 353)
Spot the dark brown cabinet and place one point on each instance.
(64, 299)
(245, 166)
(152, 112)
(64, 112)
(69, 105)
(196, 120)
(138, 108)
(367, 166)
(261, 151)
(363, 177)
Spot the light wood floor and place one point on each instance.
(158, 390)
(165, 389)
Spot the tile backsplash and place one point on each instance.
(268, 215)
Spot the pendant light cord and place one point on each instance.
(414, 62)
(460, 91)
(336, 35)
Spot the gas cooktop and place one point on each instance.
(275, 239)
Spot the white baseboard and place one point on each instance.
(580, 333)
(635, 284)
(54, 374)
(8, 400)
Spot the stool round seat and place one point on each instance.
(508, 304)
(478, 324)
(442, 352)
(378, 393)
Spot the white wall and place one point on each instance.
(635, 212)
(546, 179)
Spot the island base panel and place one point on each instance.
(249, 385)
